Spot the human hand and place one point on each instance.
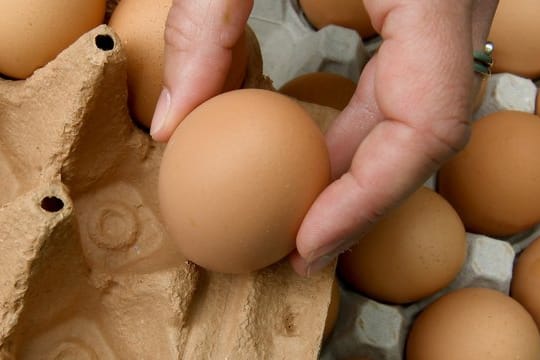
(409, 114)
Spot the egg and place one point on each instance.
(238, 176)
(350, 14)
(140, 24)
(333, 311)
(493, 181)
(474, 324)
(515, 31)
(413, 252)
(321, 88)
(34, 32)
(525, 287)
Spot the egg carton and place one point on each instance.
(87, 270)
(291, 47)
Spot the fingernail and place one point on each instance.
(319, 264)
(324, 260)
(161, 112)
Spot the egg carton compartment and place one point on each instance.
(87, 268)
(291, 47)
(508, 92)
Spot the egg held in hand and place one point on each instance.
(237, 178)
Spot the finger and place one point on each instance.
(199, 38)
(354, 123)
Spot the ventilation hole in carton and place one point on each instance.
(52, 204)
(104, 42)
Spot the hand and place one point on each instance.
(410, 112)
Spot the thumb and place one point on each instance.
(199, 38)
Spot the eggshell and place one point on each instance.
(321, 88)
(346, 13)
(515, 31)
(416, 250)
(140, 25)
(333, 311)
(237, 178)
(473, 324)
(525, 286)
(495, 181)
(33, 32)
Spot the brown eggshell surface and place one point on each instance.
(495, 181)
(237, 178)
(321, 88)
(474, 324)
(416, 250)
(517, 19)
(347, 13)
(526, 280)
(140, 25)
(32, 33)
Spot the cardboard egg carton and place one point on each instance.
(87, 269)
(291, 47)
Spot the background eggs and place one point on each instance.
(237, 178)
(526, 280)
(416, 250)
(474, 324)
(33, 32)
(347, 13)
(321, 88)
(494, 181)
(515, 32)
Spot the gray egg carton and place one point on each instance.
(291, 47)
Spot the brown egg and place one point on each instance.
(237, 178)
(515, 31)
(333, 311)
(526, 280)
(32, 33)
(416, 250)
(321, 88)
(140, 25)
(493, 181)
(346, 13)
(474, 324)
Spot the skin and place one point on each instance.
(410, 112)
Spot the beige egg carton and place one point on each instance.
(87, 270)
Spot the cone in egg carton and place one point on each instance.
(88, 269)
